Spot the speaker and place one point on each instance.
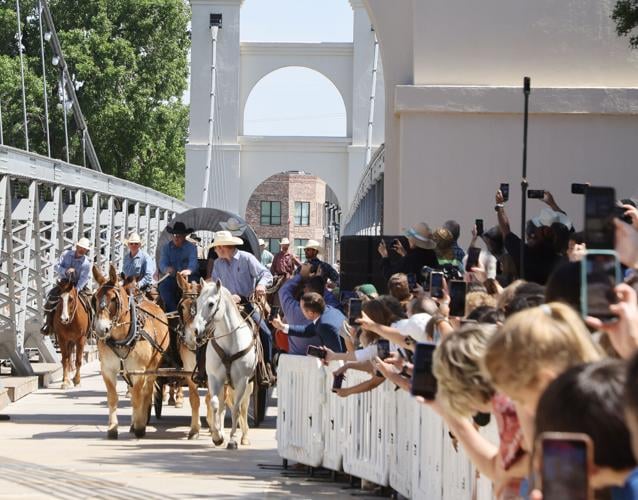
(360, 262)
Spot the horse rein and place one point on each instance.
(75, 309)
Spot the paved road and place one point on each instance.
(54, 446)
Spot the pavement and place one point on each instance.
(53, 445)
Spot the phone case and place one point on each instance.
(583, 276)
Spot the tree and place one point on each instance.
(625, 14)
(128, 61)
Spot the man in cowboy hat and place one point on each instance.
(420, 252)
(243, 275)
(311, 251)
(177, 256)
(73, 266)
(138, 263)
(284, 263)
(265, 257)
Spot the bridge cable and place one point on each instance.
(214, 29)
(373, 93)
(44, 79)
(24, 97)
(1, 130)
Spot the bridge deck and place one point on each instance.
(54, 446)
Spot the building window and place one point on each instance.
(299, 244)
(270, 213)
(272, 245)
(302, 213)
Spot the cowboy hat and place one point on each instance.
(179, 228)
(284, 241)
(262, 242)
(234, 226)
(313, 245)
(422, 236)
(225, 238)
(133, 238)
(84, 243)
(547, 217)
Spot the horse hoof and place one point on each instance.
(193, 434)
(65, 386)
(111, 434)
(171, 401)
(218, 442)
(140, 433)
(245, 442)
(179, 404)
(131, 429)
(76, 383)
(232, 445)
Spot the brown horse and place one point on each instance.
(71, 324)
(131, 337)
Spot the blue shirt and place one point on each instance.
(184, 257)
(292, 312)
(141, 266)
(241, 274)
(82, 267)
(629, 491)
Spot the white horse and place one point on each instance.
(231, 357)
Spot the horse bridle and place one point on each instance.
(75, 309)
(118, 304)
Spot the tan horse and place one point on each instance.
(71, 324)
(123, 346)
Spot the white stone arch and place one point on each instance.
(331, 60)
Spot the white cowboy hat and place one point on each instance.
(134, 238)
(284, 241)
(314, 245)
(233, 226)
(84, 243)
(547, 217)
(262, 242)
(225, 238)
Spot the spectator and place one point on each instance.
(445, 249)
(455, 229)
(367, 289)
(420, 252)
(399, 289)
(589, 399)
(474, 300)
(265, 256)
(564, 285)
(631, 404)
(284, 263)
(487, 261)
(576, 247)
(311, 251)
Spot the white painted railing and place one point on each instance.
(382, 436)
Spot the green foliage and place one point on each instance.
(128, 59)
(625, 14)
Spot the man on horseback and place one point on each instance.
(311, 251)
(73, 266)
(138, 263)
(178, 256)
(284, 263)
(243, 275)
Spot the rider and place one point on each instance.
(242, 274)
(311, 250)
(138, 263)
(265, 256)
(284, 262)
(178, 256)
(73, 266)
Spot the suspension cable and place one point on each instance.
(1, 131)
(214, 29)
(24, 96)
(44, 79)
(66, 127)
(373, 93)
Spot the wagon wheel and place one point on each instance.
(259, 399)
(158, 398)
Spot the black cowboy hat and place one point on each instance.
(179, 228)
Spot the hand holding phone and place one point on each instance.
(537, 194)
(316, 352)
(473, 255)
(600, 209)
(505, 191)
(337, 382)
(383, 349)
(412, 281)
(354, 311)
(458, 291)
(436, 284)
(579, 188)
(479, 227)
(566, 465)
(423, 380)
(600, 272)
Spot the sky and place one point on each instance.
(295, 101)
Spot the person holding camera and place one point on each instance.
(420, 252)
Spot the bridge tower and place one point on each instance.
(239, 163)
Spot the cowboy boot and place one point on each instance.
(47, 326)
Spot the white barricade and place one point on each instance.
(484, 486)
(427, 457)
(300, 403)
(403, 413)
(365, 455)
(334, 422)
(457, 469)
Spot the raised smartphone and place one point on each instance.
(423, 380)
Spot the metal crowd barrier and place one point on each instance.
(382, 436)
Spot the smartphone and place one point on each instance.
(600, 272)
(412, 281)
(579, 188)
(619, 213)
(600, 206)
(274, 312)
(566, 464)
(479, 226)
(316, 352)
(337, 382)
(458, 290)
(537, 194)
(505, 191)
(436, 284)
(383, 348)
(473, 254)
(354, 311)
(426, 271)
(423, 380)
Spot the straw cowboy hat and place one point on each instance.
(225, 238)
(179, 228)
(313, 245)
(284, 241)
(233, 225)
(262, 243)
(84, 243)
(133, 238)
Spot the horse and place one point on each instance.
(71, 324)
(231, 357)
(132, 338)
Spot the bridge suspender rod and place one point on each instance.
(373, 94)
(44, 79)
(24, 97)
(215, 24)
(1, 131)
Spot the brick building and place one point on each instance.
(291, 205)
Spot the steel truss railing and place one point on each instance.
(365, 216)
(45, 207)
